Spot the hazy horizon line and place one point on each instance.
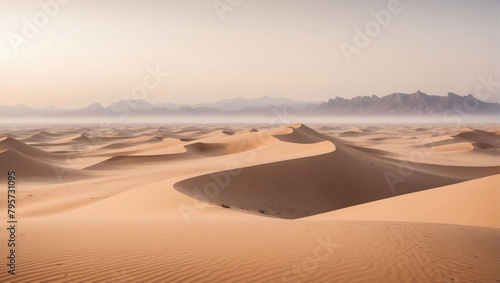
(191, 104)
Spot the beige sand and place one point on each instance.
(103, 205)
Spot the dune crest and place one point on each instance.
(311, 185)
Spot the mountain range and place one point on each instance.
(417, 103)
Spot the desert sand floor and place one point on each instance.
(250, 203)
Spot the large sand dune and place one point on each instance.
(345, 177)
(368, 203)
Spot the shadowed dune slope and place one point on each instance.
(480, 136)
(120, 162)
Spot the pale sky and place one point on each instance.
(89, 51)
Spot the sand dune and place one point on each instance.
(481, 136)
(118, 162)
(475, 202)
(209, 149)
(462, 146)
(34, 164)
(40, 136)
(311, 185)
(232, 251)
(301, 134)
(114, 212)
(30, 151)
(90, 138)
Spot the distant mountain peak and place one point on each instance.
(405, 104)
(95, 106)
